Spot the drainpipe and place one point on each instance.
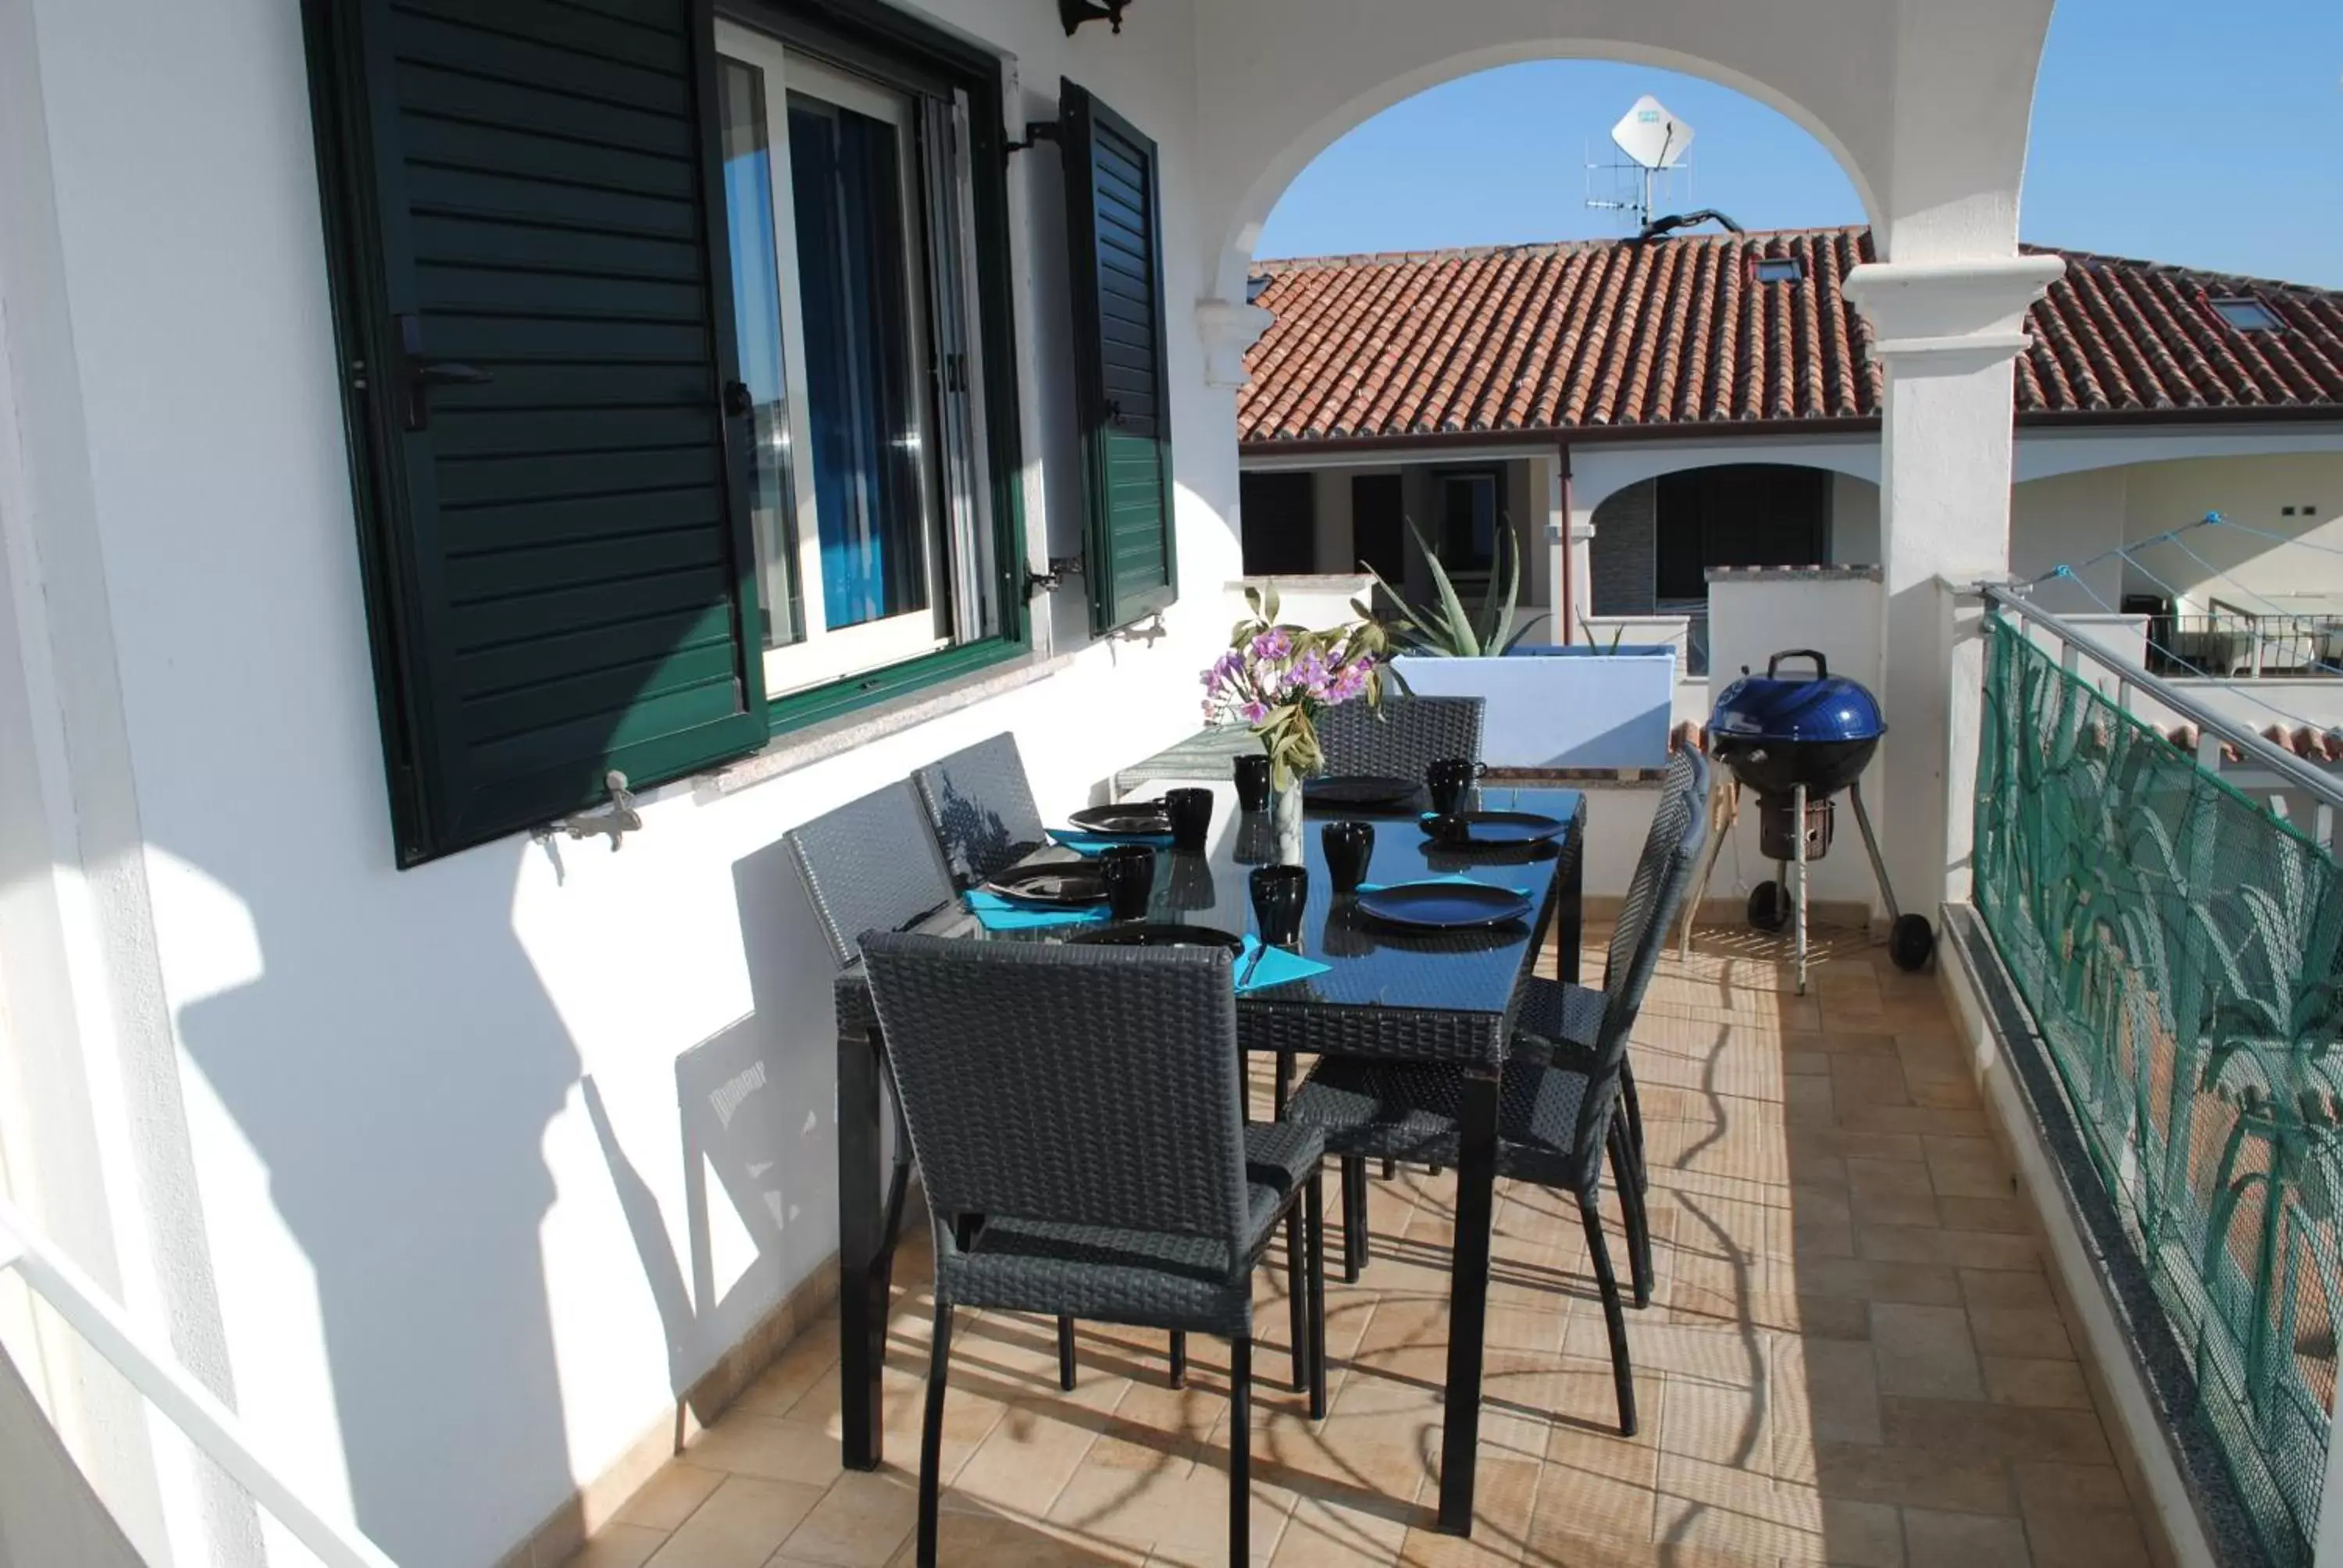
(1558, 539)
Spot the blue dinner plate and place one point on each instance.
(1445, 906)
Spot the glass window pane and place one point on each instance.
(847, 191)
(757, 321)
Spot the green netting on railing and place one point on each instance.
(2177, 945)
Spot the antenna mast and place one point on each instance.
(1654, 143)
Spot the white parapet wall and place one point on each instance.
(1314, 603)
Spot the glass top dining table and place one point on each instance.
(1370, 963)
(1444, 996)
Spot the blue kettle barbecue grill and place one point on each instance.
(1797, 741)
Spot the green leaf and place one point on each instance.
(1265, 603)
(1523, 630)
(1457, 625)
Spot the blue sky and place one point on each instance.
(2209, 135)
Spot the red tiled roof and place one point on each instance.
(1619, 334)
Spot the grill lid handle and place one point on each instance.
(1822, 665)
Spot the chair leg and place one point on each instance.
(1354, 1216)
(1240, 1451)
(1284, 1092)
(1633, 1212)
(932, 1432)
(1390, 1169)
(1179, 1358)
(1634, 1125)
(1315, 1201)
(1066, 1354)
(1615, 1319)
(1297, 1298)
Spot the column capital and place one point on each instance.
(1228, 329)
(1950, 315)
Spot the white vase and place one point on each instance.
(1286, 819)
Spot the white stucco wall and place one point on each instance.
(2071, 520)
(2254, 491)
(430, 1285)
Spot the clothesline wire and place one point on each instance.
(2294, 720)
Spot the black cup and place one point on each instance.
(1129, 873)
(1190, 812)
(1349, 847)
(1448, 779)
(1252, 781)
(1449, 831)
(1279, 894)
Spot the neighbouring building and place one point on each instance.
(1639, 411)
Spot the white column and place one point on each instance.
(1944, 334)
(1578, 539)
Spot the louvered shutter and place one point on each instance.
(1114, 227)
(525, 204)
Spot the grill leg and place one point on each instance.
(1871, 848)
(1798, 887)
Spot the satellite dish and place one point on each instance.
(1651, 136)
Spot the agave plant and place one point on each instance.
(1444, 628)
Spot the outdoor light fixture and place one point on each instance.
(1074, 13)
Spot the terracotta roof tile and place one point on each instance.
(1622, 334)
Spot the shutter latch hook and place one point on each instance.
(616, 817)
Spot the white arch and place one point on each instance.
(1925, 111)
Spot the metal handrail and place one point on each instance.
(208, 1424)
(2322, 787)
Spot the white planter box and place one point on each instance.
(1561, 707)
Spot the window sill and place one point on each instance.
(835, 736)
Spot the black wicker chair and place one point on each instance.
(1405, 736)
(981, 808)
(1055, 1187)
(1555, 1114)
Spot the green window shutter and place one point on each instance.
(1114, 226)
(524, 203)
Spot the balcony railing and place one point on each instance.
(2236, 644)
(2178, 946)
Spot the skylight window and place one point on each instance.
(1781, 269)
(1256, 286)
(2246, 314)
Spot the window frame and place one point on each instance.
(876, 41)
(2267, 321)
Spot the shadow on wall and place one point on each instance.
(403, 1144)
(745, 1114)
(407, 1159)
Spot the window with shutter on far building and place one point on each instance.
(674, 351)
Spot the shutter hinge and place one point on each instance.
(1060, 567)
(955, 372)
(616, 817)
(1036, 132)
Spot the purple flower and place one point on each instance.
(1255, 712)
(1274, 643)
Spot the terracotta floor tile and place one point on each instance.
(743, 1523)
(1959, 1248)
(2037, 1332)
(1933, 1539)
(667, 1498)
(1872, 1473)
(1968, 1167)
(619, 1545)
(2050, 1384)
(1925, 1284)
(769, 1448)
(860, 1521)
(1925, 1351)
(1994, 1288)
(1993, 1431)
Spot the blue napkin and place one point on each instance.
(1447, 877)
(1083, 843)
(995, 913)
(1277, 966)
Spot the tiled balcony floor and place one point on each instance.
(1853, 1356)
